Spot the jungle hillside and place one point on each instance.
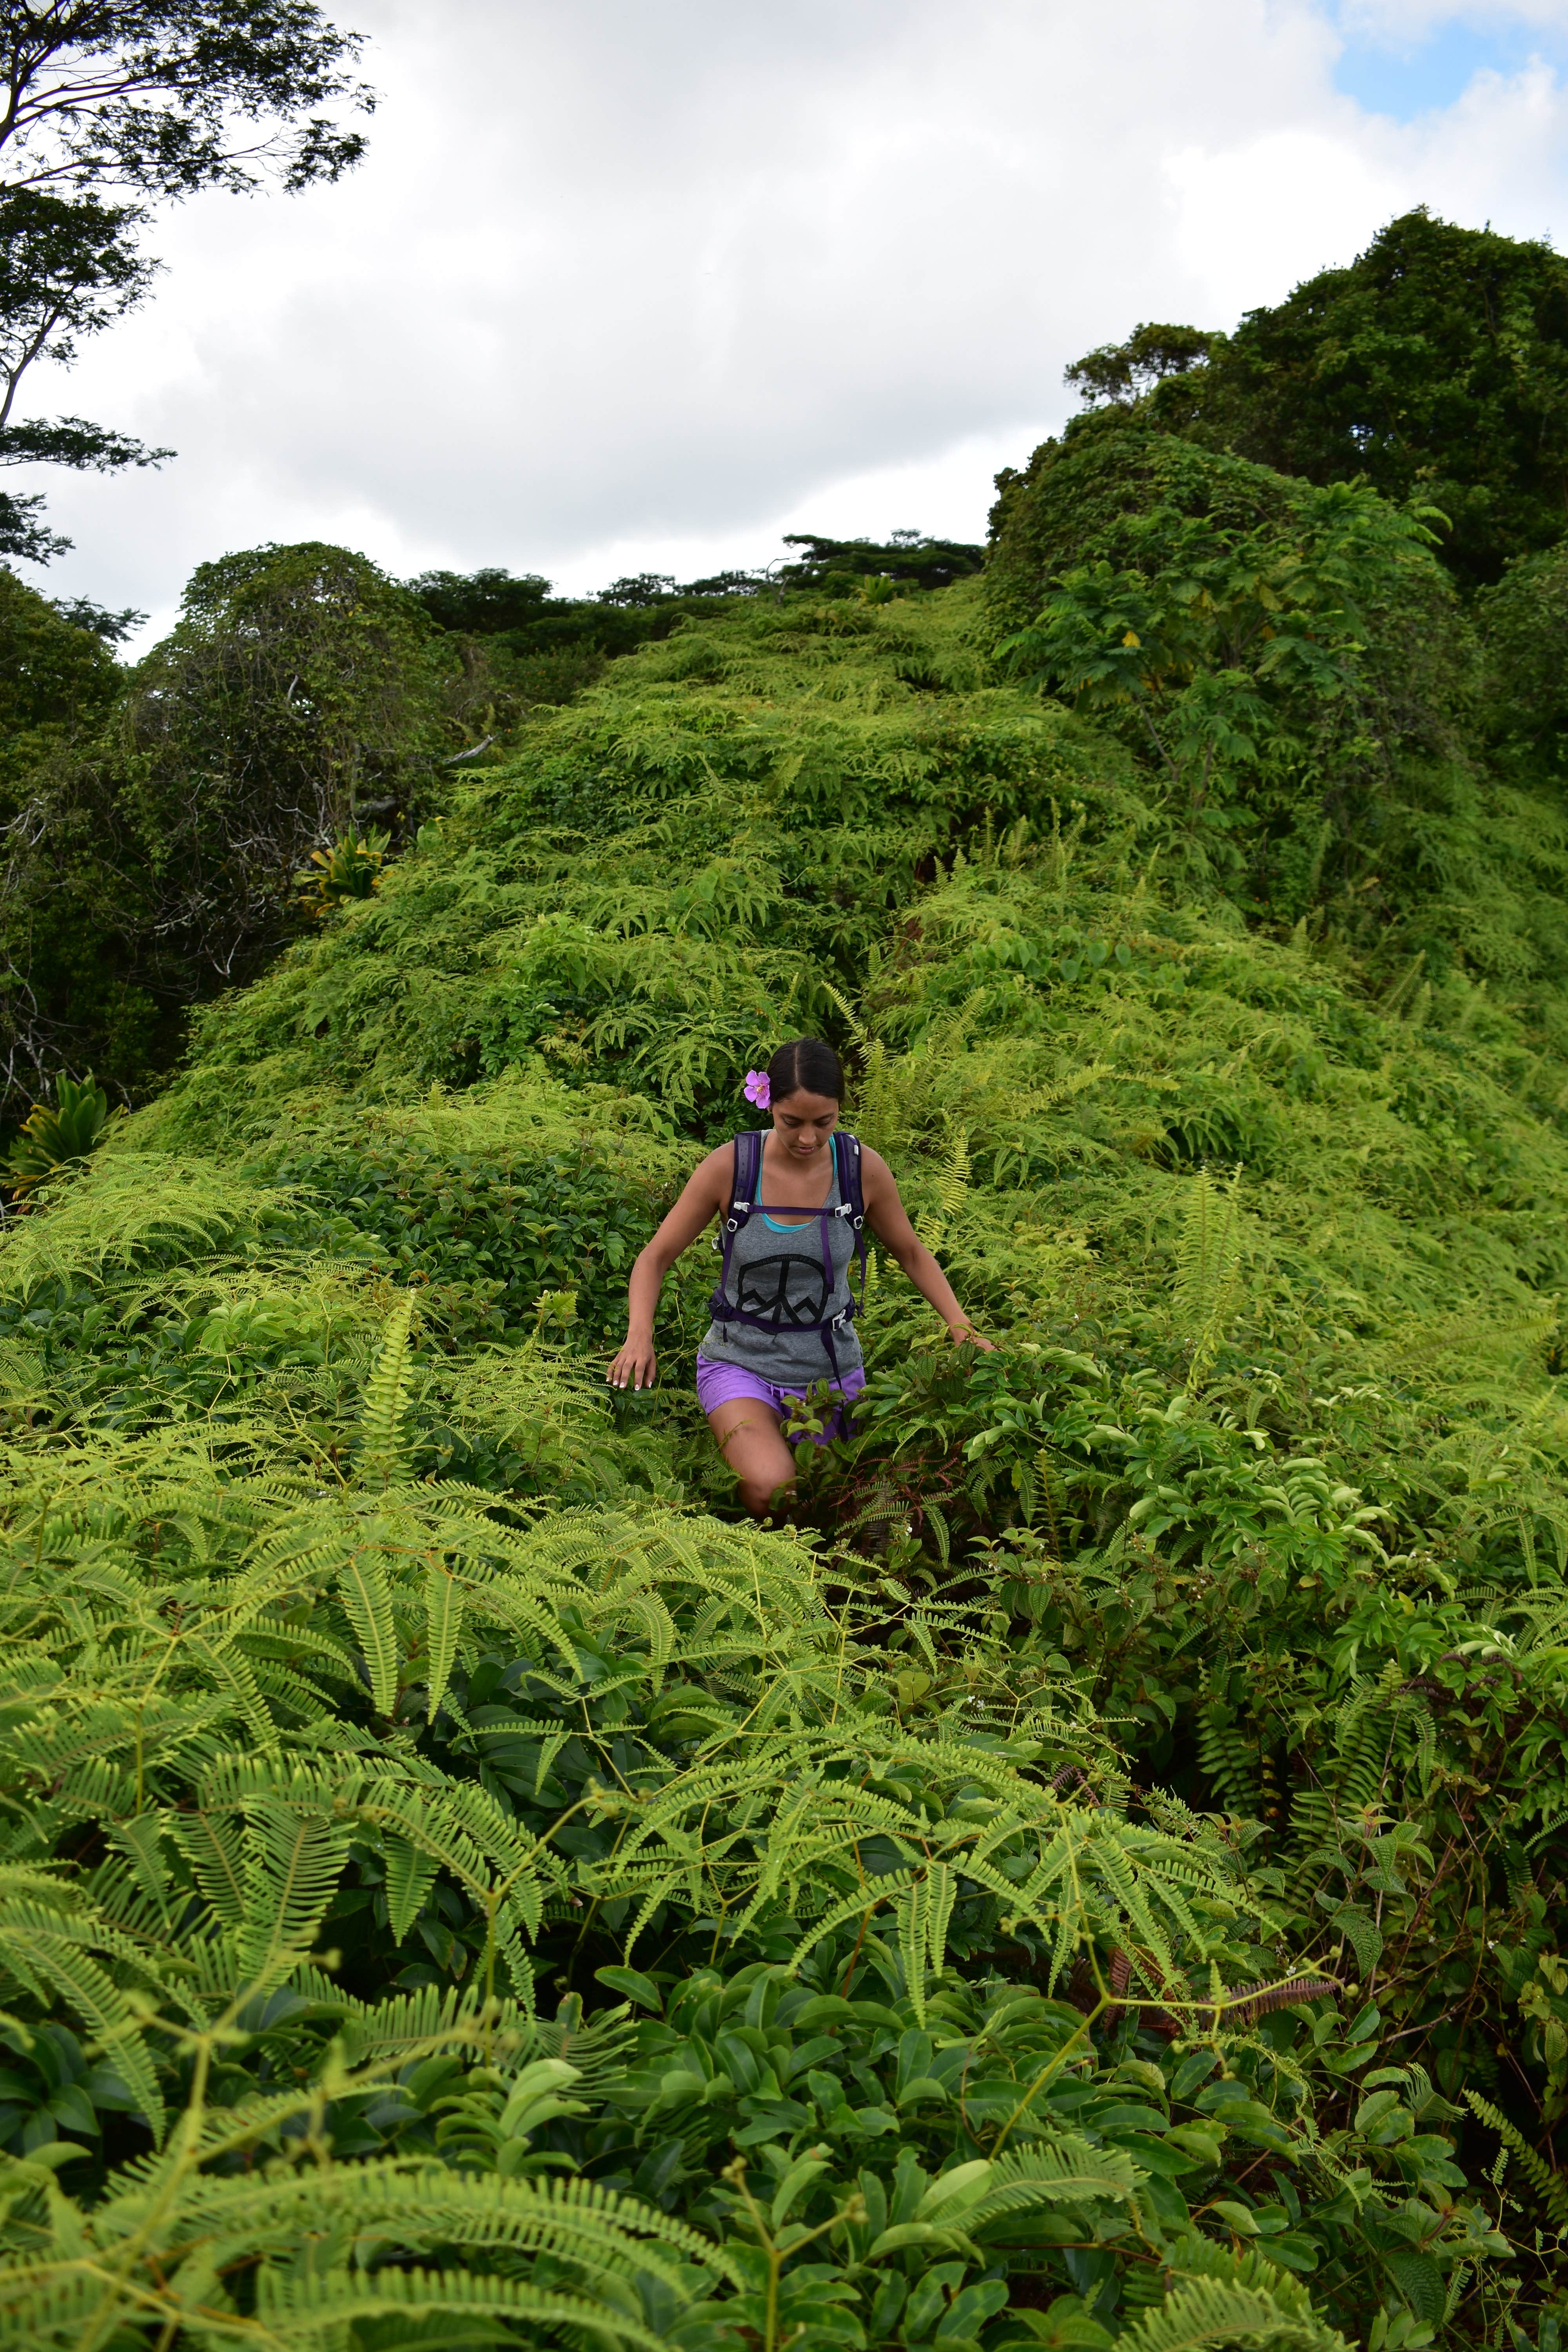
(1096, 1879)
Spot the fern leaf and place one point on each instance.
(294, 1859)
(1214, 2311)
(1548, 2183)
(300, 2309)
(410, 1874)
(443, 1625)
(384, 1451)
(1065, 2170)
(368, 1605)
(1208, 1255)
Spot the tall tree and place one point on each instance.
(153, 826)
(156, 100)
(908, 557)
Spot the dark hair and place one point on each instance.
(805, 1065)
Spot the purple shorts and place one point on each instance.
(718, 1383)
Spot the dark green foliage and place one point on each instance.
(68, 269)
(489, 1236)
(908, 558)
(57, 677)
(1435, 364)
(1523, 625)
(638, 590)
(482, 603)
(541, 648)
(544, 649)
(158, 820)
(1122, 372)
(168, 96)
(82, 612)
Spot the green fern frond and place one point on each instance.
(301, 2310)
(386, 1456)
(949, 1183)
(1548, 2183)
(1257, 2305)
(1063, 2169)
(1208, 1255)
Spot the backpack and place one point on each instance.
(744, 1203)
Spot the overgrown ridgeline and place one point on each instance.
(167, 826)
(1100, 1881)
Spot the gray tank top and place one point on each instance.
(774, 1265)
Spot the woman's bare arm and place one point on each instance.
(706, 1196)
(889, 1221)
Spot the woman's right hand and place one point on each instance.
(635, 1367)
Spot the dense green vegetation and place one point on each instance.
(169, 826)
(1435, 364)
(1097, 1879)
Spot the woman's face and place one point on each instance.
(803, 1124)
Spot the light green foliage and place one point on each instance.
(1207, 1257)
(679, 871)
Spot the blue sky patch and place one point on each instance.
(1424, 77)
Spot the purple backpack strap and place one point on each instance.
(847, 1148)
(742, 1200)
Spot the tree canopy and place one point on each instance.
(165, 96)
(906, 557)
(142, 103)
(1435, 365)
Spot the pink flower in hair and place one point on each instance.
(758, 1090)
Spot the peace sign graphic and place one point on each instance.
(765, 1285)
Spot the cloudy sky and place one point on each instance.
(643, 284)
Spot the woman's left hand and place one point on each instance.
(963, 1334)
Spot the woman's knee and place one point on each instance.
(748, 1436)
(761, 1498)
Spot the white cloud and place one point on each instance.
(626, 288)
(1258, 215)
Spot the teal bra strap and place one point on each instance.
(806, 1215)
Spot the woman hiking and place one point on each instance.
(792, 1204)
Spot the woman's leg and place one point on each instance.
(748, 1434)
